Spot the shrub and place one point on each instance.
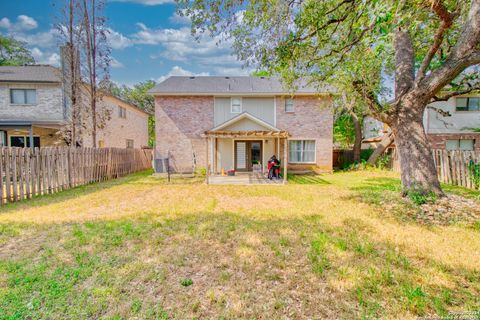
(420, 198)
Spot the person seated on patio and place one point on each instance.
(273, 168)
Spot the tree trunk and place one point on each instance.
(384, 144)
(418, 170)
(357, 146)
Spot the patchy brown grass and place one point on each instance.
(121, 250)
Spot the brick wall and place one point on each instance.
(311, 120)
(180, 122)
(49, 104)
(438, 141)
(117, 130)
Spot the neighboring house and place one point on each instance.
(33, 104)
(238, 123)
(453, 128)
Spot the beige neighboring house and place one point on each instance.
(453, 128)
(238, 123)
(33, 106)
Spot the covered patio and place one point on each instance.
(216, 140)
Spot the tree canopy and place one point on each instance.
(14, 53)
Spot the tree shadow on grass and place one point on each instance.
(306, 179)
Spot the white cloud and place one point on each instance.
(147, 2)
(178, 19)
(179, 71)
(41, 57)
(44, 39)
(26, 23)
(118, 40)
(23, 23)
(116, 64)
(5, 23)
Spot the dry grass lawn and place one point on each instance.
(319, 247)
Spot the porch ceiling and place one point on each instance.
(254, 133)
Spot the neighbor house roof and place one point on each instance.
(30, 73)
(206, 85)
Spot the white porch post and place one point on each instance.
(285, 160)
(206, 160)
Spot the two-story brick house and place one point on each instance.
(33, 106)
(237, 123)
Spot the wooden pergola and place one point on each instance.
(211, 136)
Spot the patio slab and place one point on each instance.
(243, 179)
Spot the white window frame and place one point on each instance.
(287, 100)
(231, 104)
(24, 96)
(467, 104)
(303, 162)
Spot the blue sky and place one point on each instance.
(148, 40)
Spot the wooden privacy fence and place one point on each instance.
(26, 172)
(453, 167)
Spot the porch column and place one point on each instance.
(30, 133)
(285, 160)
(206, 160)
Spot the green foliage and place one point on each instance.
(261, 73)
(318, 253)
(14, 53)
(186, 282)
(344, 131)
(383, 161)
(474, 170)
(420, 198)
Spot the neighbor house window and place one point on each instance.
(460, 144)
(236, 105)
(24, 141)
(122, 112)
(23, 96)
(129, 143)
(467, 104)
(301, 151)
(101, 143)
(289, 105)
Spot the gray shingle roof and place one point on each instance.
(30, 73)
(229, 85)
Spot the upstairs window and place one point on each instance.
(289, 105)
(468, 104)
(236, 105)
(129, 143)
(122, 112)
(23, 96)
(460, 144)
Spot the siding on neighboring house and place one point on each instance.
(48, 106)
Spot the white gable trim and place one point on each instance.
(244, 115)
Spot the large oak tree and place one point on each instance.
(429, 47)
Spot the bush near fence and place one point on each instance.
(453, 167)
(26, 172)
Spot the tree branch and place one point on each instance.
(374, 106)
(447, 21)
(452, 94)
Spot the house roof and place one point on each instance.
(216, 85)
(30, 73)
